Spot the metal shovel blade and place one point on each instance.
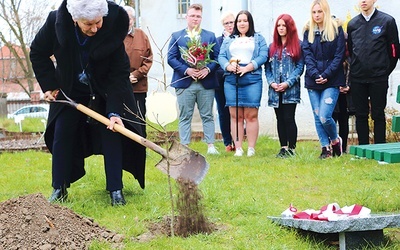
(184, 163)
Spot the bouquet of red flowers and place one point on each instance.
(196, 54)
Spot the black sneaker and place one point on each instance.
(326, 153)
(282, 153)
(337, 148)
(290, 152)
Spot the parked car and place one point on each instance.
(39, 110)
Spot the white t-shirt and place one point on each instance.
(242, 48)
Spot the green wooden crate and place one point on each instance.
(398, 94)
(372, 150)
(392, 157)
(396, 123)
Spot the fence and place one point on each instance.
(9, 104)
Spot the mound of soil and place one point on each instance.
(31, 222)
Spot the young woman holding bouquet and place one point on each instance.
(242, 56)
(283, 71)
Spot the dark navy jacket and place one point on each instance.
(179, 79)
(325, 59)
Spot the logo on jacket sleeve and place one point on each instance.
(377, 30)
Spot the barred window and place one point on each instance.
(183, 6)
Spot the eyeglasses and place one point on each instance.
(228, 23)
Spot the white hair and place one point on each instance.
(130, 10)
(87, 9)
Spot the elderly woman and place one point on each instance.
(86, 39)
(228, 21)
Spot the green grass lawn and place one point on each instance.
(239, 194)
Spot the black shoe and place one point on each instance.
(282, 153)
(326, 153)
(290, 152)
(285, 153)
(337, 148)
(117, 198)
(59, 194)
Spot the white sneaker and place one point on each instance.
(212, 151)
(239, 152)
(251, 152)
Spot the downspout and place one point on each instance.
(138, 13)
(245, 5)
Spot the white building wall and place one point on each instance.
(160, 17)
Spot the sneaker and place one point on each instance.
(326, 153)
(230, 148)
(239, 152)
(285, 153)
(282, 153)
(290, 152)
(251, 152)
(337, 148)
(212, 151)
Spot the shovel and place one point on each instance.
(183, 162)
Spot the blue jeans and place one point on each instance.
(323, 103)
(187, 98)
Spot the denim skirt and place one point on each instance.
(249, 91)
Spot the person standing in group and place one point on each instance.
(283, 71)
(228, 20)
(137, 46)
(324, 53)
(242, 56)
(86, 39)
(194, 80)
(373, 41)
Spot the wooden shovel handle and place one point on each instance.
(122, 130)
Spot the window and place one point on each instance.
(183, 6)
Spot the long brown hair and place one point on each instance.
(292, 39)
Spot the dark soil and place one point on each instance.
(31, 222)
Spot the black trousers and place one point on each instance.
(370, 96)
(141, 103)
(68, 149)
(341, 116)
(286, 124)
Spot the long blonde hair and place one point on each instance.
(330, 26)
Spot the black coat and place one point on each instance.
(109, 66)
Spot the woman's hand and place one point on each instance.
(321, 80)
(243, 70)
(114, 120)
(50, 95)
(280, 87)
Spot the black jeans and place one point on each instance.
(370, 96)
(286, 124)
(341, 116)
(223, 115)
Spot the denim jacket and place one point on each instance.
(260, 54)
(284, 70)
